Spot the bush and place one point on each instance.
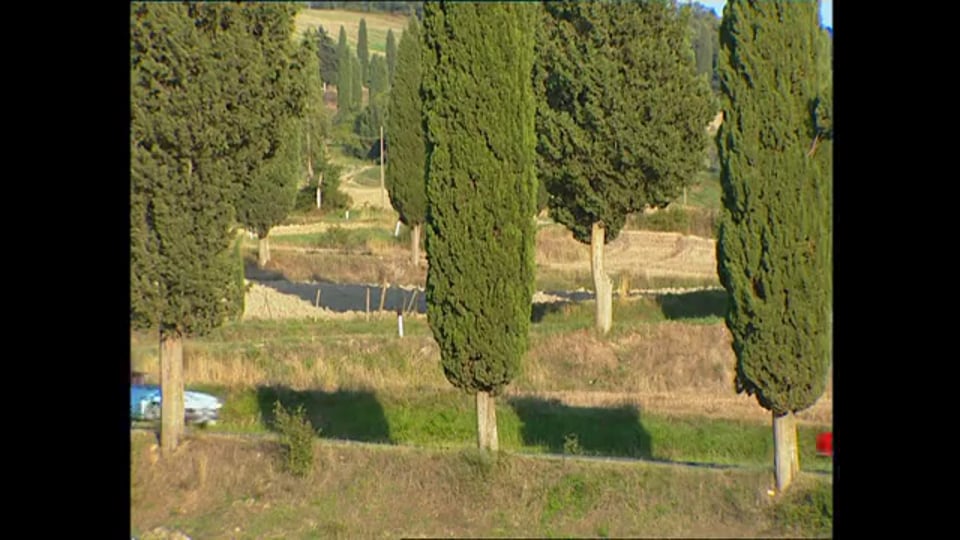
(696, 221)
(296, 439)
(808, 511)
(333, 199)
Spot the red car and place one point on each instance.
(825, 444)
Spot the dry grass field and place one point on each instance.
(331, 20)
(230, 488)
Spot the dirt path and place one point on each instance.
(371, 197)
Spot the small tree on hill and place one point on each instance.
(621, 118)
(481, 189)
(405, 177)
(774, 243)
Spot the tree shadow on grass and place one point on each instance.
(694, 305)
(590, 430)
(344, 414)
(539, 311)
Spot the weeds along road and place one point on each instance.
(192, 432)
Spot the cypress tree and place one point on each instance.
(356, 87)
(379, 82)
(316, 125)
(481, 192)
(621, 118)
(188, 127)
(345, 77)
(391, 55)
(277, 86)
(405, 176)
(327, 52)
(363, 53)
(774, 243)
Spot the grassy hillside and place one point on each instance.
(332, 19)
(231, 488)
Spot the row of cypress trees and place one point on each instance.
(602, 103)
(599, 102)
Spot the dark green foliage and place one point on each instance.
(621, 112)
(481, 187)
(332, 199)
(774, 243)
(316, 124)
(379, 79)
(368, 123)
(391, 55)
(327, 51)
(345, 76)
(277, 85)
(363, 52)
(191, 133)
(296, 439)
(268, 197)
(704, 37)
(406, 152)
(356, 87)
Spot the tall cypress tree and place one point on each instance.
(405, 177)
(363, 53)
(189, 124)
(356, 87)
(345, 76)
(327, 52)
(621, 118)
(316, 124)
(481, 188)
(391, 55)
(774, 243)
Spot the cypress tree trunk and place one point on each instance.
(786, 454)
(601, 282)
(171, 386)
(487, 422)
(415, 243)
(263, 252)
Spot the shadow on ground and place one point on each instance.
(694, 305)
(344, 414)
(590, 430)
(539, 311)
(343, 297)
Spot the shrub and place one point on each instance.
(296, 439)
(809, 511)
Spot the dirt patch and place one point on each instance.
(636, 252)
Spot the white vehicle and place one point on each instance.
(145, 400)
